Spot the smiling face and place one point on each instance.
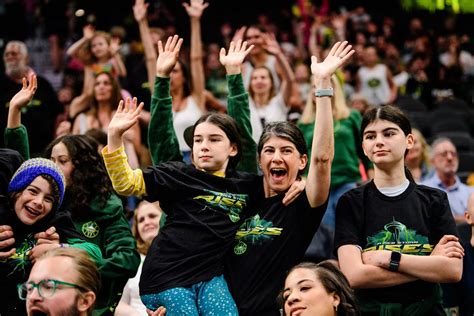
(103, 88)
(100, 47)
(34, 202)
(211, 148)
(304, 294)
(253, 36)
(65, 300)
(280, 162)
(60, 156)
(384, 143)
(148, 221)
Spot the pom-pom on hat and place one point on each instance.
(33, 168)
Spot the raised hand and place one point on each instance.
(114, 46)
(140, 10)
(271, 44)
(168, 56)
(195, 8)
(126, 115)
(88, 31)
(6, 240)
(339, 54)
(24, 96)
(232, 61)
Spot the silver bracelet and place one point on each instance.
(328, 92)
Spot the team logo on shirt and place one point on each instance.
(231, 203)
(373, 82)
(397, 237)
(90, 229)
(20, 260)
(254, 231)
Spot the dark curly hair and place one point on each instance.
(89, 179)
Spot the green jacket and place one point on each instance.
(162, 140)
(347, 149)
(104, 228)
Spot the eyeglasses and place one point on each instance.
(445, 154)
(46, 288)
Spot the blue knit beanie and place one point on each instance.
(33, 168)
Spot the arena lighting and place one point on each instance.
(79, 12)
(455, 6)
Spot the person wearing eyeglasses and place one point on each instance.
(64, 281)
(444, 159)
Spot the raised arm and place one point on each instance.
(162, 140)
(115, 53)
(238, 101)
(83, 101)
(140, 11)
(16, 136)
(195, 10)
(288, 80)
(88, 32)
(322, 148)
(125, 181)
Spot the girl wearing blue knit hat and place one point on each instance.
(30, 226)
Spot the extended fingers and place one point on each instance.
(7, 242)
(178, 45)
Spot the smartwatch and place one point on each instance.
(329, 92)
(394, 261)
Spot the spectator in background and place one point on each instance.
(145, 227)
(64, 281)
(374, 80)
(417, 159)
(459, 297)
(41, 112)
(444, 158)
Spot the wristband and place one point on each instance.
(395, 261)
(329, 92)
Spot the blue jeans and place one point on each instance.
(321, 247)
(203, 298)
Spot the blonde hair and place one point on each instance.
(272, 80)
(87, 271)
(340, 110)
(425, 148)
(142, 246)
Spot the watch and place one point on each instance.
(394, 261)
(329, 92)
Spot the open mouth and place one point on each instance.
(278, 173)
(38, 313)
(32, 212)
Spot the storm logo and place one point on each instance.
(397, 237)
(254, 231)
(231, 203)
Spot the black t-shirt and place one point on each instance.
(203, 214)
(267, 246)
(39, 116)
(411, 223)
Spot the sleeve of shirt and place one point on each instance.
(162, 140)
(348, 222)
(17, 139)
(125, 181)
(442, 220)
(92, 249)
(122, 258)
(238, 108)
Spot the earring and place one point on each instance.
(335, 308)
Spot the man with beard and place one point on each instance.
(40, 114)
(64, 281)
